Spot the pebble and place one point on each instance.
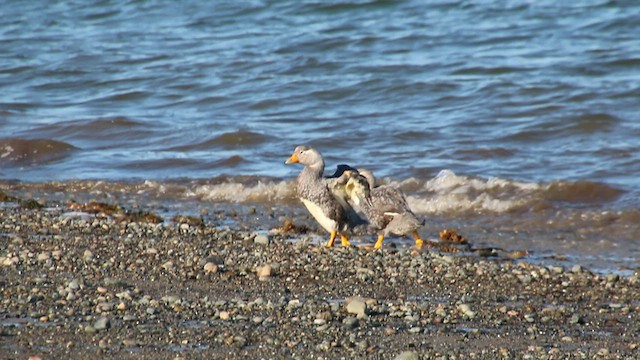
(102, 323)
(466, 310)
(211, 267)
(261, 239)
(151, 310)
(73, 285)
(576, 319)
(129, 343)
(351, 322)
(407, 355)
(224, 315)
(357, 305)
(264, 271)
(87, 255)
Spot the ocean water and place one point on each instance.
(516, 123)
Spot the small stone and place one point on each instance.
(88, 255)
(530, 317)
(576, 269)
(611, 278)
(319, 321)
(129, 343)
(151, 310)
(557, 269)
(258, 320)
(211, 267)
(407, 355)
(567, 339)
(90, 329)
(129, 318)
(264, 271)
(101, 290)
(351, 322)
(357, 305)
(261, 239)
(415, 330)
(44, 256)
(73, 285)
(575, 319)
(466, 310)
(224, 315)
(102, 323)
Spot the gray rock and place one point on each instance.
(74, 284)
(576, 319)
(102, 324)
(466, 310)
(357, 305)
(351, 322)
(261, 239)
(407, 355)
(151, 310)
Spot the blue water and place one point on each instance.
(527, 106)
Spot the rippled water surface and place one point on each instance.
(526, 109)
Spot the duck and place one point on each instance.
(318, 194)
(385, 207)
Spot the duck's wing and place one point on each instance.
(389, 200)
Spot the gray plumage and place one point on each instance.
(317, 193)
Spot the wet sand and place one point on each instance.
(82, 285)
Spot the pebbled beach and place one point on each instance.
(82, 283)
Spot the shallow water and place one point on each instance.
(518, 120)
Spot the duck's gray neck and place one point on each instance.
(312, 172)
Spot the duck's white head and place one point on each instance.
(306, 156)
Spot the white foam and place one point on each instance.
(448, 192)
(7, 151)
(236, 192)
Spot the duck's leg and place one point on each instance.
(419, 241)
(378, 244)
(345, 240)
(332, 239)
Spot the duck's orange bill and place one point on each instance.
(292, 159)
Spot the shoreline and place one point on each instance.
(79, 285)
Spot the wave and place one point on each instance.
(229, 140)
(108, 129)
(21, 152)
(446, 193)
